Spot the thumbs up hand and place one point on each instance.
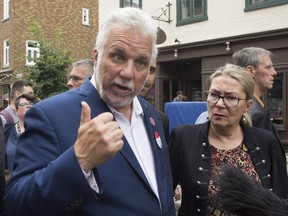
(98, 139)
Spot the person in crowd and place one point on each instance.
(22, 104)
(8, 115)
(81, 70)
(3, 172)
(242, 196)
(149, 84)
(2, 191)
(146, 91)
(197, 152)
(179, 96)
(202, 118)
(77, 161)
(258, 63)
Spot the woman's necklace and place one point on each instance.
(18, 128)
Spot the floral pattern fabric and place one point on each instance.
(238, 157)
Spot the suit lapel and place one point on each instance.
(98, 106)
(127, 151)
(151, 128)
(128, 154)
(154, 127)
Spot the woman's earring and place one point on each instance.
(244, 117)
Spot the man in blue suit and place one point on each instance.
(73, 159)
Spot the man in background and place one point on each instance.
(258, 63)
(3, 173)
(81, 70)
(146, 94)
(180, 97)
(8, 115)
(149, 84)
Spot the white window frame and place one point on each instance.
(85, 16)
(6, 4)
(31, 51)
(6, 53)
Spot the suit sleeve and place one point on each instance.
(46, 180)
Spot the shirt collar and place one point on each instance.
(92, 80)
(136, 108)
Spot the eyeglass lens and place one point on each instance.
(76, 78)
(25, 104)
(228, 101)
(152, 69)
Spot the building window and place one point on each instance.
(6, 9)
(259, 4)
(6, 53)
(131, 3)
(85, 16)
(5, 92)
(32, 52)
(276, 106)
(190, 11)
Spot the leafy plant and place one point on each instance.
(49, 72)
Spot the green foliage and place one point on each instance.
(49, 72)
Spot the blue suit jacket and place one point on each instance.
(49, 181)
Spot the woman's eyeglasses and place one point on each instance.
(229, 101)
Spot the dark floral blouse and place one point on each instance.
(237, 156)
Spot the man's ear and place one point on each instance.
(250, 69)
(17, 94)
(95, 53)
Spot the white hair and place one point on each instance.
(128, 18)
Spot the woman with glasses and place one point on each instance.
(198, 152)
(22, 104)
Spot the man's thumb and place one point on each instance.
(85, 113)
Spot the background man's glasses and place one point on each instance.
(152, 69)
(25, 104)
(228, 100)
(76, 78)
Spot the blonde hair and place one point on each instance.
(243, 77)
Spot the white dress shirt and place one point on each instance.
(137, 137)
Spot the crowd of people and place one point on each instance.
(102, 147)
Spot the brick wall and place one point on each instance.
(51, 16)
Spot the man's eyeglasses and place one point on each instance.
(152, 69)
(76, 78)
(229, 101)
(25, 104)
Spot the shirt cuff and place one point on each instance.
(91, 180)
